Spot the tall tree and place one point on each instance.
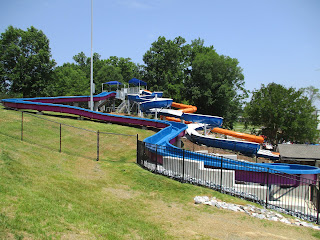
(166, 63)
(311, 93)
(127, 68)
(196, 74)
(216, 86)
(69, 80)
(108, 73)
(111, 69)
(25, 62)
(284, 114)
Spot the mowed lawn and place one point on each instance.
(45, 194)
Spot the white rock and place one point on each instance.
(218, 205)
(264, 210)
(234, 208)
(213, 202)
(305, 224)
(200, 199)
(274, 219)
(260, 216)
(253, 211)
(284, 220)
(278, 215)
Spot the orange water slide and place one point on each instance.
(191, 109)
(184, 108)
(248, 137)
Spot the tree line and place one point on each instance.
(190, 73)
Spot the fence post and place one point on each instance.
(156, 158)
(267, 192)
(98, 145)
(138, 157)
(256, 155)
(21, 126)
(183, 152)
(60, 137)
(221, 174)
(318, 201)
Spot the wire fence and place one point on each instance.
(296, 195)
(65, 138)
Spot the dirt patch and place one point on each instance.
(121, 192)
(188, 145)
(78, 236)
(88, 169)
(198, 222)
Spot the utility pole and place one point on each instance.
(91, 77)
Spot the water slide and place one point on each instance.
(150, 101)
(184, 109)
(249, 146)
(246, 147)
(171, 131)
(247, 137)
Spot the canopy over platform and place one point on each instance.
(113, 83)
(137, 82)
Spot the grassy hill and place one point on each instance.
(45, 194)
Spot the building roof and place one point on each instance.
(299, 151)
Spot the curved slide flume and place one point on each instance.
(170, 131)
(245, 147)
(184, 108)
(245, 136)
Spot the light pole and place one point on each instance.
(91, 75)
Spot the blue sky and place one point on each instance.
(274, 40)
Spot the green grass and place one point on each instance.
(45, 194)
(240, 127)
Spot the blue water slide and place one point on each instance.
(170, 131)
(155, 103)
(199, 118)
(248, 148)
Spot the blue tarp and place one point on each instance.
(137, 82)
(113, 83)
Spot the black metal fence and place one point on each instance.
(28, 127)
(289, 194)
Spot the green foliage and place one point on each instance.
(216, 86)
(311, 93)
(69, 80)
(188, 73)
(196, 74)
(285, 114)
(25, 62)
(105, 70)
(166, 64)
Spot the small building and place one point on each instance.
(300, 154)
